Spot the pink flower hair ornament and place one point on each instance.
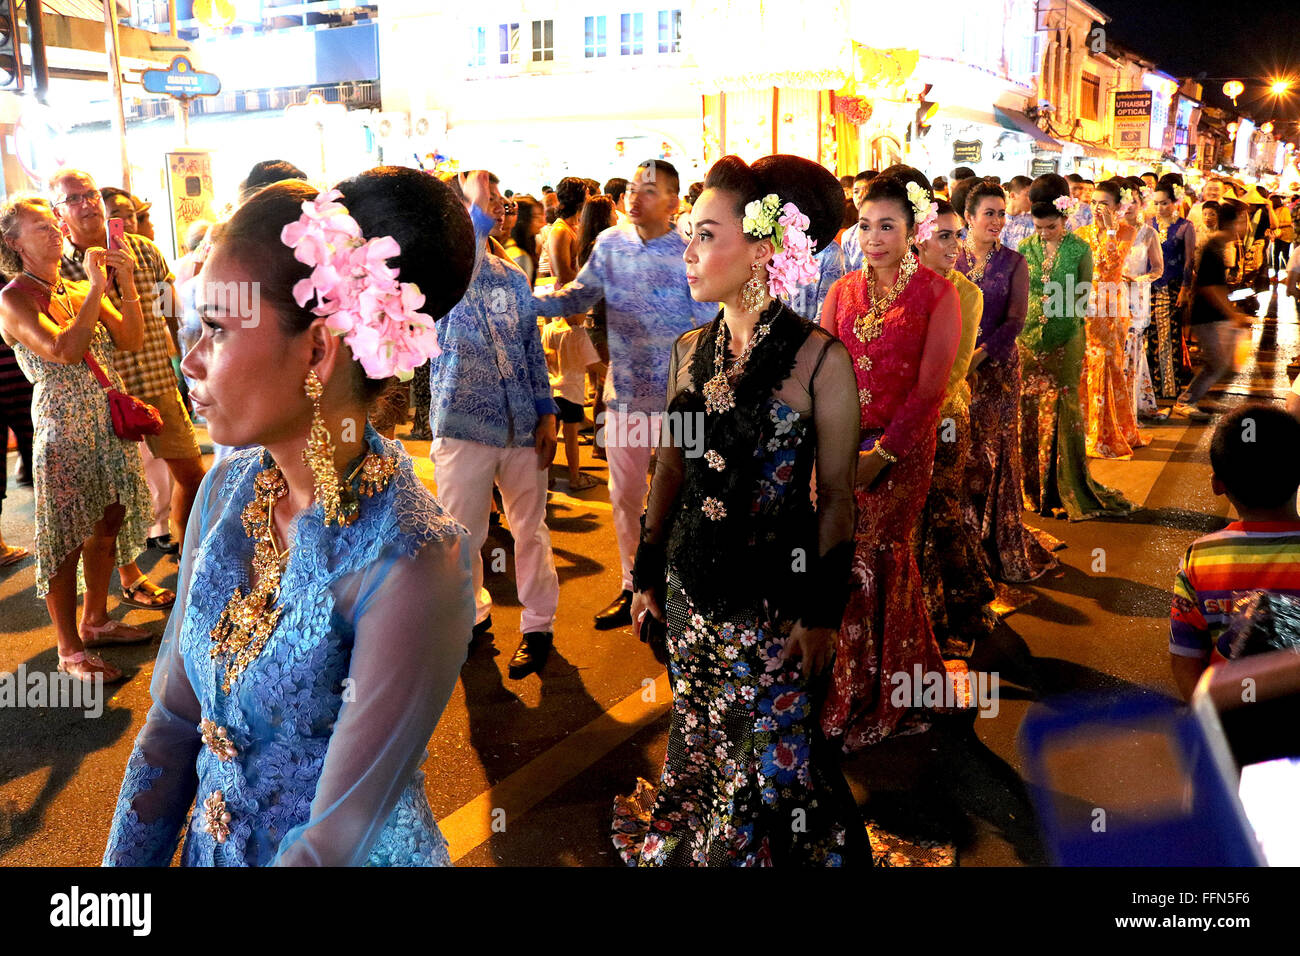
(793, 265)
(1065, 204)
(357, 292)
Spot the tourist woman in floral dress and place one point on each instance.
(1111, 416)
(902, 325)
(323, 608)
(749, 578)
(1144, 264)
(1014, 551)
(92, 503)
(1052, 435)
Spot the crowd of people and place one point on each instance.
(824, 406)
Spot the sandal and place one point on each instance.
(12, 554)
(113, 632)
(584, 482)
(159, 598)
(86, 667)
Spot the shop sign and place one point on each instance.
(1132, 118)
(1042, 167)
(967, 151)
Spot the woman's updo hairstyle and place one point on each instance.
(944, 208)
(1113, 187)
(1043, 193)
(809, 185)
(891, 189)
(979, 192)
(424, 216)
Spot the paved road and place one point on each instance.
(524, 772)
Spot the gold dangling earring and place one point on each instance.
(319, 456)
(751, 293)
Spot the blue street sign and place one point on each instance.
(181, 80)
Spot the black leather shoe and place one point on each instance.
(163, 543)
(618, 614)
(482, 627)
(531, 656)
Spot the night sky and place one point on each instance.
(1187, 37)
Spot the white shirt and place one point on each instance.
(568, 353)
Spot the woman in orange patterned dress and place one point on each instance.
(1111, 417)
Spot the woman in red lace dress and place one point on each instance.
(901, 323)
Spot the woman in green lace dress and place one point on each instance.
(92, 503)
(1052, 345)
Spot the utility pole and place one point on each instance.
(115, 84)
(40, 65)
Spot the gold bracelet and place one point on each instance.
(885, 453)
(125, 299)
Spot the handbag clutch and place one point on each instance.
(132, 418)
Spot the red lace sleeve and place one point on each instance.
(943, 335)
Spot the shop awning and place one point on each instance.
(1016, 120)
(999, 118)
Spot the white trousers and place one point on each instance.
(465, 472)
(628, 449)
(159, 479)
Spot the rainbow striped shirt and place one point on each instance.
(1220, 568)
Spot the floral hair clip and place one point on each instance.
(357, 292)
(1064, 204)
(924, 209)
(1126, 201)
(793, 265)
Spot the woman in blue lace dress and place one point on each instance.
(324, 605)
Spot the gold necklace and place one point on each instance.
(248, 620)
(868, 327)
(718, 394)
(976, 275)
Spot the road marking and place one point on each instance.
(471, 825)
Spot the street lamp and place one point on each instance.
(1266, 128)
(1278, 87)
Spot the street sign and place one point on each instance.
(967, 151)
(1132, 118)
(181, 80)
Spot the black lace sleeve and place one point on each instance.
(836, 413)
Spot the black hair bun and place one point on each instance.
(810, 186)
(430, 225)
(1043, 193)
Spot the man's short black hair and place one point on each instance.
(1019, 183)
(1074, 178)
(846, 182)
(1229, 212)
(960, 173)
(866, 175)
(1255, 453)
(269, 171)
(615, 188)
(665, 169)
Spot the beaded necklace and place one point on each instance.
(248, 620)
(976, 274)
(868, 327)
(718, 394)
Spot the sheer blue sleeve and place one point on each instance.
(413, 620)
(581, 294)
(160, 780)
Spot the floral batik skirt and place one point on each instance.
(1014, 551)
(885, 636)
(957, 587)
(1052, 439)
(749, 780)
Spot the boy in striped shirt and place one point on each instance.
(1255, 455)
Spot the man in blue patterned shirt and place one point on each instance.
(639, 271)
(493, 420)
(1020, 224)
(850, 242)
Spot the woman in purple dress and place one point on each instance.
(1013, 550)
